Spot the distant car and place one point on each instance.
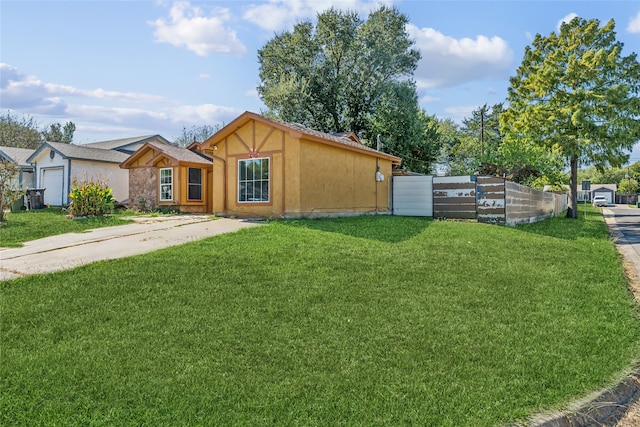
(599, 201)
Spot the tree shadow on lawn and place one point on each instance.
(388, 229)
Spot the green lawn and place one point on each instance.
(35, 224)
(355, 321)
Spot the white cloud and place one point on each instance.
(565, 20)
(428, 99)
(204, 76)
(114, 114)
(634, 24)
(167, 121)
(26, 92)
(277, 15)
(189, 27)
(460, 112)
(448, 62)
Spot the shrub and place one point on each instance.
(9, 189)
(90, 198)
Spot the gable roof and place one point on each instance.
(80, 152)
(179, 154)
(124, 143)
(594, 187)
(347, 140)
(17, 155)
(610, 187)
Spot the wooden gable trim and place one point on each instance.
(247, 116)
(137, 155)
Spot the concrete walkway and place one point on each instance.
(147, 234)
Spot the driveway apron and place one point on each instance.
(147, 234)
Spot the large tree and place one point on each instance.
(576, 96)
(405, 130)
(21, 132)
(341, 75)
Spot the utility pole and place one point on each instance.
(483, 110)
(628, 186)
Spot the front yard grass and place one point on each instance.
(35, 224)
(355, 321)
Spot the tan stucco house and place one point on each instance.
(162, 175)
(267, 168)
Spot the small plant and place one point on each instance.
(9, 189)
(90, 198)
(142, 204)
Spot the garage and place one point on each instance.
(53, 183)
(607, 193)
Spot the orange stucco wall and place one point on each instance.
(307, 178)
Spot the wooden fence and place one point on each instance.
(484, 198)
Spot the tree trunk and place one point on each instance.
(574, 186)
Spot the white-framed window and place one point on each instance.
(194, 191)
(253, 180)
(166, 184)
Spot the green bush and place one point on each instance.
(90, 198)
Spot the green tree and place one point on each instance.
(196, 133)
(57, 133)
(576, 96)
(628, 186)
(634, 171)
(459, 154)
(405, 130)
(603, 176)
(337, 76)
(9, 188)
(483, 130)
(21, 132)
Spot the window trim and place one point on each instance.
(268, 180)
(189, 184)
(160, 184)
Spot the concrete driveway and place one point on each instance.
(146, 234)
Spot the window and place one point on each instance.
(253, 180)
(195, 184)
(166, 184)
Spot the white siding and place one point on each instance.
(413, 195)
(110, 173)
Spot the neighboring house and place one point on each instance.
(606, 190)
(127, 145)
(268, 168)
(58, 165)
(162, 175)
(20, 157)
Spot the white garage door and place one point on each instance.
(413, 195)
(52, 182)
(604, 194)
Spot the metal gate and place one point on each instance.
(413, 195)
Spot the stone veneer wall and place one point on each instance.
(143, 188)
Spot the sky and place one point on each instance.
(120, 69)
